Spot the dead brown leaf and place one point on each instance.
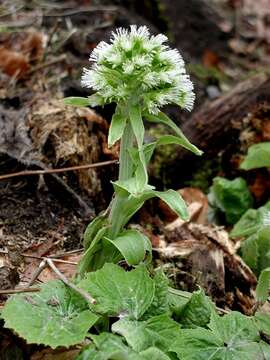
(13, 63)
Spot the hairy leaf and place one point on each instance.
(109, 346)
(158, 331)
(251, 222)
(197, 311)
(232, 197)
(106, 346)
(177, 301)
(248, 224)
(119, 292)
(262, 321)
(263, 287)
(160, 303)
(255, 250)
(55, 316)
(230, 337)
(154, 353)
(258, 156)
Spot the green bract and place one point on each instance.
(135, 63)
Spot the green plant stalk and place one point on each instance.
(125, 172)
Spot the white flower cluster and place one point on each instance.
(136, 65)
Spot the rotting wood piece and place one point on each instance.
(216, 124)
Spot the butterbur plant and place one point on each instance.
(141, 74)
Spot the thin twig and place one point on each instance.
(47, 64)
(18, 291)
(54, 171)
(37, 272)
(84, 10)
(62, 277)
(50, 257)
(53, 257)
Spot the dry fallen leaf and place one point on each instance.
(13, 63)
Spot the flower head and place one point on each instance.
(136, 65)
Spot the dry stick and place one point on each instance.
(54, 171)
(46, 64)
(18, 291)
(50, 257)
(53, 257)
(84, 10)
(62, 277)
(37, 272)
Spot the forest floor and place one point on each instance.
(43, 47)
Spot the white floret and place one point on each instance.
(155, 72)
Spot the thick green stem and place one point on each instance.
(125, 172)
(125, 164)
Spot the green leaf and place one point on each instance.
(197, 311)
(76, 101)
(92, 229)
(153, 353)
(96, 100)
(262, 321)
(256, 250)
(250, 222)
(109, 346)
(119, 292)
(263, 287)
(174, 200)
(177, 300)
(117, 128)
(197, 344)
(158, 331)
(133, 245)
(230, 337)
(160, 303)
(164, 119)
(232, 197)
(106, 346)
(55, 316)
(258, 156)
(141, 172)
(250, 252)
(91, 257)
(137, 124)
(134, 202)
(264, 351)
(228, 326)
